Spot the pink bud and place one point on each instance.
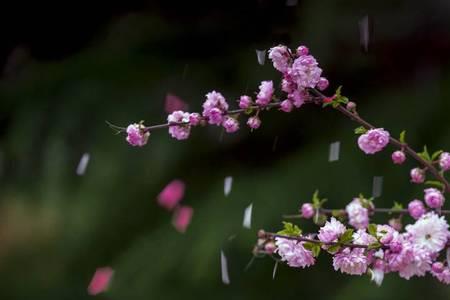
(437, 267)
(100, 281)
(307, 210)
(351, 106)
(444, 161)
(398, 157)
(416, 209)
(270, 247)
(136, 135)
(245, 102)
(230, 124)
(302, 50)
(286, 106)
(171, 194)
(434, 198)
(254, 122)
(417, 175)
(322, 84)
(182, 218)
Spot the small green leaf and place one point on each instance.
(402, 136)
(334, 248)
(338, 91)
(337, 213)
(360, 130)
(434, 183)
(347, 237)
(248, 111)
(436, 154)
(375, 245)
(316, 250)
(309, 246)
(320, 219)
(372, 229)
(290, 229)
(424, 154)
(397, 207)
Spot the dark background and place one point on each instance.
(69, 66)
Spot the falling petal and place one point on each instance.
(224, 268)
(334, 151)
(261, 55)
(171, 194)
(232, 237)
(174, 103)
(275, 268)
(100, 281)
(365, 32)
(291, 2)
(247, 223)
(377, 186)
(227, 184)
(82, 165)
(182, 218)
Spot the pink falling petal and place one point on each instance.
(171, 194)
(182, 218)
(100, 281)
(174, 103)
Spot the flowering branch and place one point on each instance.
(375, 249)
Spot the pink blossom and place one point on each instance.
(179, 132)
(385, 234)
(307, 210)
(434, 198)
(305, 71)
(254, 122)
(358, 216)
(182, 218)
(265, 93)
(100, 281)
(302, 50)
(195, 119)
(377, 272)
(438, 267)
(280, 57)
(245, 102)
(419, 263)
(230, 124)
(373, 140)
(172, 194)
(322, 84)
(351, 261)
(417, 175)
(331, 231)
(136, 135)
(416, 209)
(398, 157)
(286, 106)
(298, 97)
(361, 237)
(294, 253)
(444, 161)
(429, 233)
(214, 108)
(287, 85)
(443, 276)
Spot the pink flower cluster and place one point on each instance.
(377, 249)
(373, 141)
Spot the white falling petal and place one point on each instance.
(377, 186)
(247, 223)
(227, 184)
(261, 55)
(334, 151)
(275, 268)
(291, 2)
(82, 165)
(224, 268)
(364, 33)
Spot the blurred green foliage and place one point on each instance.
(56, 228)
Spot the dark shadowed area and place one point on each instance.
(66, 70)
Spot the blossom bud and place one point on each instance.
(398, 157)
(417, 175)
(416, 209)
(307, 210)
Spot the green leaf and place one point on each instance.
(434, 183)
(338, 91)
(320, 219)
(309, 246)
(424, 154)
(290, 229)
(360, 130)
(436, 154)
(337, 213)
(334, 248)
(402, 136)
(248, 111)
(316, 250)
(372, 229)
(375, 245)
(397, 207)
(347, 237)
